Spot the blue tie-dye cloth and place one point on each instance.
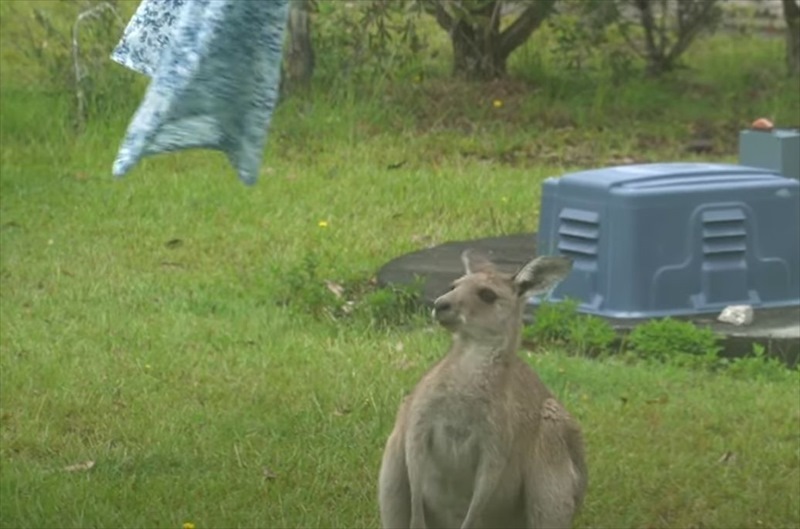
(215, 69)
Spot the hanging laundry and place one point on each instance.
(215, 70)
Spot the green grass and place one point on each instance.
(178, 371)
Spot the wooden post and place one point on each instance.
(299, 57)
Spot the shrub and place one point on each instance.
(363, 41)
(562, 324)
(673, 341)
(757, 365)
(390, 306)
(357, 299)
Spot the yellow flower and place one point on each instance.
(504, 199)
(323, 224)
(188, 525)
(497, 103)
(148, 366)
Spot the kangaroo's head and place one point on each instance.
(486, 305)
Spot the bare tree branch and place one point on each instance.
(528, 21)
(443, 18)
(690, 23)
(663, 45)
(791, 13)
(663, 33)
(648, 23)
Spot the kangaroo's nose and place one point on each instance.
(441, 305)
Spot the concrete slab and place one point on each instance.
(778, 330)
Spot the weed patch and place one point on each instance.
(560, 324)
(664, 341)
(355, 300)
(674, 341)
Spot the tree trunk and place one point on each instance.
(299, 56)
(663, 45)
(791, 12)
(480, 49)
(476, 55)
(475, 64)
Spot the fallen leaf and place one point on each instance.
(268, 474)
(341, 412)
(727, 458)
(421, 239)
(80, 467)
(403, 364)
(335, 288)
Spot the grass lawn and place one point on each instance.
(144, 324)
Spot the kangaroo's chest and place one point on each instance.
(454, 444)
(452, 449)
(452, 430)
(454, 418)
(455, 424)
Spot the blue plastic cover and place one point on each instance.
(674, 238)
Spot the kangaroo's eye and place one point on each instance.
(487, 295)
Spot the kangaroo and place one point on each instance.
(481, 442)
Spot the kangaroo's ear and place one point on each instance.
(541, 275)
(475, 261)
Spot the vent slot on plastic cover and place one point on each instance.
(578, 233)
(724, 235)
